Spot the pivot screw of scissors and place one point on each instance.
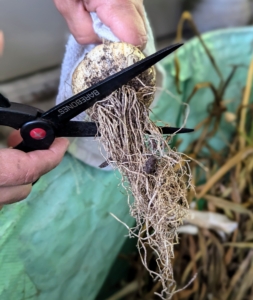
(38, 133)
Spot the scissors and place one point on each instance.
(39, 129)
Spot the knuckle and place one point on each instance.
(31, 176)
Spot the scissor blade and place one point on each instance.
(171, 130)
(77, 129)
(70, 108)
(89, 129)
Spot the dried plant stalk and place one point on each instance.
(157, 176)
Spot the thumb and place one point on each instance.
(14, 139)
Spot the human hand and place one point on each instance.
(125, 18)
(18, 170)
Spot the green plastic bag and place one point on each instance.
(228, 47)
(61, 241)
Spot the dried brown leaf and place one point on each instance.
(232, 162)
(239, 245)
(237, 276)
(225, 204)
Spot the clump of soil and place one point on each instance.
(157, 176)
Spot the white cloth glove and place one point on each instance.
(88, 149)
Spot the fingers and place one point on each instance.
(14, 194)
(125, 18)
(78, 19)
(19, 168)
(14, 138)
